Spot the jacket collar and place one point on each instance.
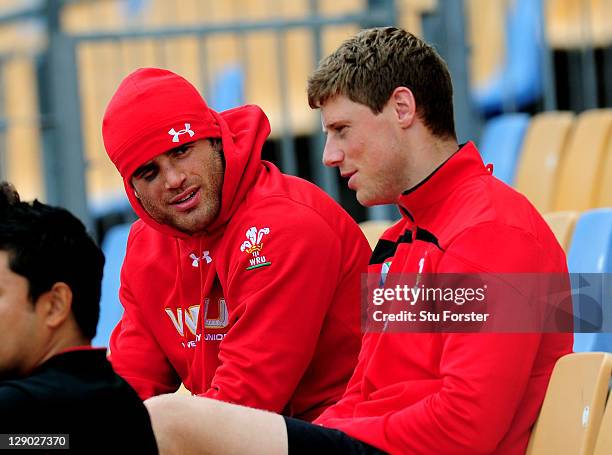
(444, 180)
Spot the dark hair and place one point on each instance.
(369, 66)
(47, 245)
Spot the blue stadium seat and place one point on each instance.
(518, 82)
(501, 143)
(591, 254)
(114, 245)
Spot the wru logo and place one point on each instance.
(254, 247)
(254, 237)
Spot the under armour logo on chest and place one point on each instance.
(176, 134)
(196, 260)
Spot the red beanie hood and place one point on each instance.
(156, 110)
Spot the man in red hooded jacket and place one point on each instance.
(386, 104)
(239, 281)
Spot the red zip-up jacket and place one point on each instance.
(455, 393)
(262, 309)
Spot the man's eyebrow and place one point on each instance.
(332, 125)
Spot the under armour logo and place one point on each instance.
(176, 134)
(196, 260)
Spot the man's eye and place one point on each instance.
(180, 151)
(148, 175)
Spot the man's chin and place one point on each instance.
(370, 201)
(190, 229)
(193, 227)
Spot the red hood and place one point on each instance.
(245, 129)
(155, 110)
(243, 133)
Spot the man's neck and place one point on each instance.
(429, 153)
(62, 342)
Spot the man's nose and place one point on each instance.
(174, 177)
(332, 154)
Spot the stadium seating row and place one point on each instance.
(503, 40)
(574, 24)
(559, 160)
(509, 42)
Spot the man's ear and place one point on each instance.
(404, 106)
(134, 188)
(56, 304)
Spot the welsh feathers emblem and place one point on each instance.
(254, 242)
(254, 246)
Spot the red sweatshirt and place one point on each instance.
(453, 393)
(260, 310)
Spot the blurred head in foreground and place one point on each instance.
(50, 279)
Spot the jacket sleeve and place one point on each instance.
(280, 308)
(134, 352)
(484, 376)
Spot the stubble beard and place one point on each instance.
(201, 217)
